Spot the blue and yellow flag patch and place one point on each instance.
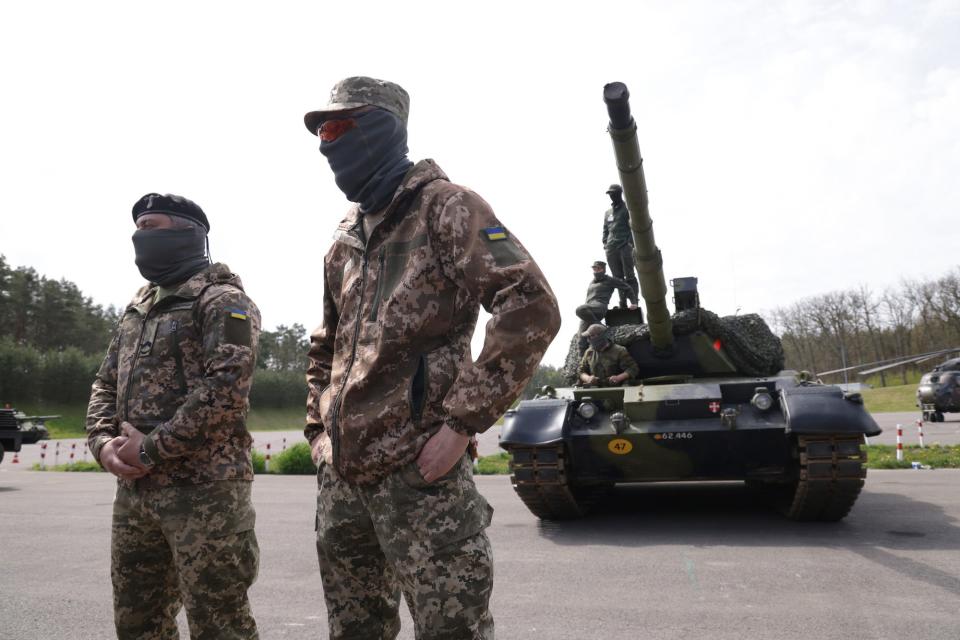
(495, 233)
(238, 314)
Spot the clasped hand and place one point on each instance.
(121, 455)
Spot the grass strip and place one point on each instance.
(935, 456)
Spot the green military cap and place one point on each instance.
(600, 263)
(361, 91)
(614, 188)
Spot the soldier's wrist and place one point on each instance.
(150, 450)
(460, 428)
(97, 445)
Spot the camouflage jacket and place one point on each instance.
(391, 363)
(600, 291)
(612, 361)
(616, 228)
(180, 371)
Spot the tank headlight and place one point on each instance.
(762, 399)
(587, 410)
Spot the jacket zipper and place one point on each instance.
(379, 292)
(338, 401)
(133, 365)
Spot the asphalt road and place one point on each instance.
(658, 561)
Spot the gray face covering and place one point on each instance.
(170, 256)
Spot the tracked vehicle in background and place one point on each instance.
(713, 402)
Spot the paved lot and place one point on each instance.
(665, 561)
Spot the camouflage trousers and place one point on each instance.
(192, 545)
(404, 535)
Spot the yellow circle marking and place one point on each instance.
(620, 446)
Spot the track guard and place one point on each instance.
(822, 409)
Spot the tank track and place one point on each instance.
(831, 474)
(539, 476)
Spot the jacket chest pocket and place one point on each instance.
(393, 264)
(170, 343)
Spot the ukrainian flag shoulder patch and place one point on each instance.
(495, 233)
(238, 314)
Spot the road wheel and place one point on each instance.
(938, 416)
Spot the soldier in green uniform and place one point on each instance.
(599, 292)
(394, 394)
(618, 246)
(167, 416)
(605, 364)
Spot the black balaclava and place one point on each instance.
(370, 160)
(616, 198)
(599, 276)
(170, 256)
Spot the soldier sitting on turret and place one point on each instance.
(605, 364)
(598, 298)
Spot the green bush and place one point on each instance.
(259, 462)
(296, 460)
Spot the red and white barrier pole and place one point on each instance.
(43, 456)
(85, 451)
(73, 449)
(899, 443)
(920, 432)
(56, 455)
(284, 445)
(266, 460)
(16, 458)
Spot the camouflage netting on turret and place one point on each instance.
(747, 340)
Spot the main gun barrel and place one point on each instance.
(653, 286)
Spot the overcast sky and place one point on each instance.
(791, 148)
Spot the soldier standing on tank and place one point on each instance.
(167, 416)
(605, 364)
(394, 395)
(618, 246)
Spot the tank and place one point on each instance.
(11, 438)
(712, 401)
(939, 391)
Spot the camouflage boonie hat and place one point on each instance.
(594, 331)
(361, 91)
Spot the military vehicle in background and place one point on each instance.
(11, 438)
(939, 391)
(713, 402)
(17, 428)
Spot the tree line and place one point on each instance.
(53, 339)
(846, 328)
